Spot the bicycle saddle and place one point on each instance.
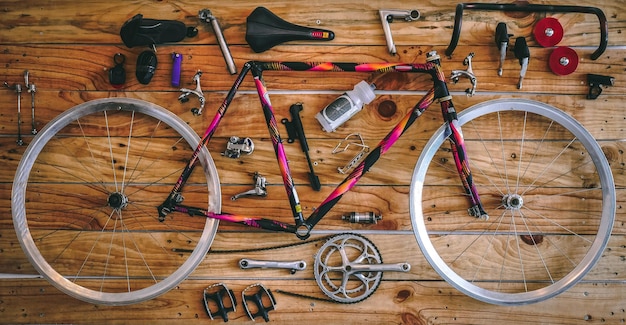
(265, 30)
(139, 31)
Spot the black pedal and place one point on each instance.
(222, 297)
(258, 299)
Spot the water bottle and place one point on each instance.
(345, 106)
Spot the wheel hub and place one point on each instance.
(513, 201)
(117, 200)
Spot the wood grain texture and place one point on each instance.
(68, 46)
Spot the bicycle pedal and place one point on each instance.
(222, 297)
(259, 298)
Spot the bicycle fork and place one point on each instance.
(461, 161)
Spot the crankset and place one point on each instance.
(348, 268)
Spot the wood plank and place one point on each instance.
(47, 23)
(401, 302)
(89, 66)
(68, 48)
(394, 247)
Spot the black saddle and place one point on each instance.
(265, 30)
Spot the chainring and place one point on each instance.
(334, 268)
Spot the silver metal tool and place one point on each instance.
(186, 92)
(18, 90)
(388, 15)
(31, 89)
(236, 146)
(469, 73)
(293, 266)
(258, 190)
(362, 217)
(206, 16)
(343, 146)
(348, 268)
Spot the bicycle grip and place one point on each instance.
(176, 68)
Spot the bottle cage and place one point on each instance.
(138, 31)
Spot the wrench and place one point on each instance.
(31, 89)
(18, 90)
(293, 266)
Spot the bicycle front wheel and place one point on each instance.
(85, 195)
(549, 192)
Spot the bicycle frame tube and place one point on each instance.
(303, 227)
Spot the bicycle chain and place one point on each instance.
(318, 264)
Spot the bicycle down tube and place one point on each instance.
(302, 226)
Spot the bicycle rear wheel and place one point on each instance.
(549, 192)
(85, 195)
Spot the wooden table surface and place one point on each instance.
(68, 46)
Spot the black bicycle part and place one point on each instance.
(296, 131)
(264, 30)
(138, 31)
(596, 82)
(218, 298)
(521, 49)
(257, 299)
(524, 7)
(117, 74)
(502, 34)
(146, 66)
